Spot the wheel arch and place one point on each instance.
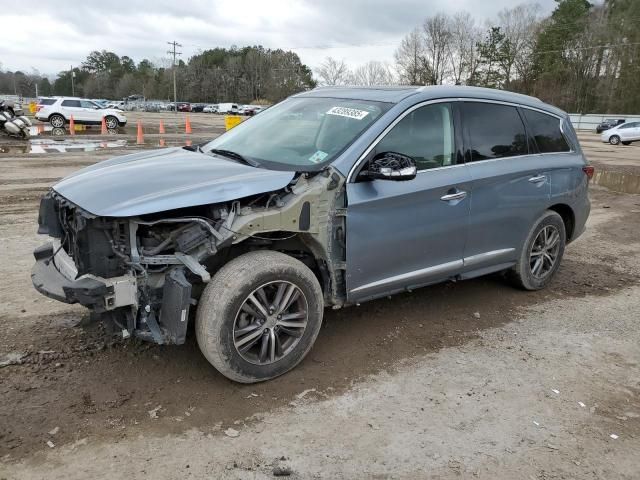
(568, 218)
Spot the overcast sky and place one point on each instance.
(49, 36)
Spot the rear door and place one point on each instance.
(630, 131)
(509, 186)
(410, 233)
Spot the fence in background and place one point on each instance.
(590, 121)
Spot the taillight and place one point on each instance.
(38, 108)
(588, 170)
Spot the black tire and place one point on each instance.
(220, 308)
(614, 140)
(57, 121)
(522, 275)
(626, 143)
(111, 122)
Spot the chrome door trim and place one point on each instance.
(481, 257)
(443, 267)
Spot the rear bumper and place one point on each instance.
(53, 276)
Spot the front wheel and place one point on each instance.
(111, 122)
(614, 140)
(541, 253)
(259, 316)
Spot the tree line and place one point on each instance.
(582, 57)
(234, 75)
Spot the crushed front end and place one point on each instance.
(128, 271)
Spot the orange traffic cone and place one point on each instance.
(140, 139)
(72, 126)
(103, 128)
(187, 125)
(161, 129)
(40, 128)
(162, 142)
(187, 143)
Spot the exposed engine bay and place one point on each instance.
(142, 274)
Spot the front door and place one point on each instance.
(404, 234)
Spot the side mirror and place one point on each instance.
(392, 166)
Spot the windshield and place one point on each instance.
(300, 133)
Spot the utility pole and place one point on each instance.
(73, 75)
(173, 52)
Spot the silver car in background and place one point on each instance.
(333, 197)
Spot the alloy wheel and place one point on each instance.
(111, 122)
(544, 252)
(270, 322)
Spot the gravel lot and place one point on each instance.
(463, 380)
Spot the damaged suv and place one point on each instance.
(333, 197)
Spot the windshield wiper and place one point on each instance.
(234, 156)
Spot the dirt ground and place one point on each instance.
(472, 379)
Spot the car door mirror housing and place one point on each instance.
(392, 166)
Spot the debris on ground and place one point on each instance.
(153, 413)
(476, 314)
(614, 436)
(50, 444)
(582, 404)
(557, 392)
(231, 432)
(304, 393)
(282, 471)
(12, 359)
(54, 431)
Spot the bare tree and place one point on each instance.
(410, 59)
(437, 39)
(463, 52)
(519, 26)
(373, 73)
(333, 72)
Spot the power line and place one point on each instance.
(173, 52)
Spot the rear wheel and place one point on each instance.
(56, 120)
(541, 253)
(614, 140)
(259, 316)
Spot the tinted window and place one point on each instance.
(87, 104)
(71, 103)
(545, 130)
(495, 131)
(47, 101)
(629, 125)
(426, 135)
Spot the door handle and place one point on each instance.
(459, 195)
(538, 179)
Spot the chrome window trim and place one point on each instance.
(356, 165)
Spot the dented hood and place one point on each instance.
(159, 180)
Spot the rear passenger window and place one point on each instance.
(71, 103)
(495, 131)
(545, 130)
(426, 135)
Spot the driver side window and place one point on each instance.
(426, 135)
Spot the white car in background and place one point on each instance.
(210, 109)
(85, 112)
(624, 133)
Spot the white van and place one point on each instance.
(228, 108)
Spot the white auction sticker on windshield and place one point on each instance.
(348, 112)
(318, 156)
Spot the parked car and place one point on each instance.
(210, 109)
(184, 107)
(228, 108)
(197, 107)
(609, 123)
(333, 197)
(625, 133)
(84, 112)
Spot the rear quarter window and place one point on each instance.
(47, 101)
(71, 103)
(545, 130)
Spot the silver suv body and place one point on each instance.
(333, 197)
